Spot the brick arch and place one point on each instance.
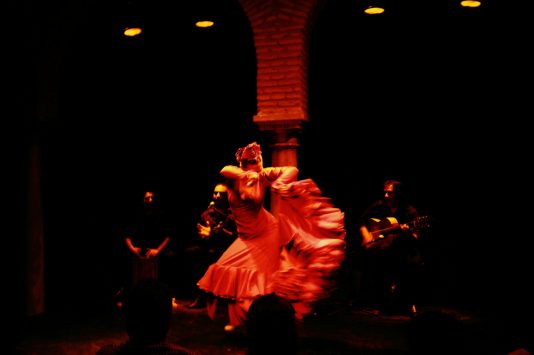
(281, 30)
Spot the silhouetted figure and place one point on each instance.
(146, 236)
(272, 327)
(391, 229)
(147, 314)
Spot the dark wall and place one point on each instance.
(166, 111)
(434, 99)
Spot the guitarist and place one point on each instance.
(392, 265)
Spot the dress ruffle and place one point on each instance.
(234, 283)
(316, 232)
(296, 255)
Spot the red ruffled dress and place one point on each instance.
(294, 254)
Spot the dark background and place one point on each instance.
(438, 101)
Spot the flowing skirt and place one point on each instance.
(296, 257)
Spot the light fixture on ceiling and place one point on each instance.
(132, 25)
(132, 31)
(204, 23)
(470, 3)
(374, 10)
(206, 13)
(375, 7)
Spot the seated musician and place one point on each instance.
(392, 265)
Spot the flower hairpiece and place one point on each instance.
(250, 152)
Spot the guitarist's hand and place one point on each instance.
(204, 231)
(406, 228)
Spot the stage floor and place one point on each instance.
(336, 328)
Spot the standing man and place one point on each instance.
(146, 237)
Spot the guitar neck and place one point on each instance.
(418, 223)
(391, 228)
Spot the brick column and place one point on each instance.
(281, 31)
(281, 36)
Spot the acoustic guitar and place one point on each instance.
(379, 228)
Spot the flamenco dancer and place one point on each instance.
(293, 254)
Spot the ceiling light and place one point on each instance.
(470, 3)
(204, 23)
(132, 31)
(374, 10)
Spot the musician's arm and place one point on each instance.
(133, 249)
(416, 235)
(224, 226)
(153, 252)
(163, 244)
(405, 227)
(367, 237)
(226, 231)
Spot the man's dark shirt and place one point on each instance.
(223, 229)
(148, 228)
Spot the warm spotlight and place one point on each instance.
(470, 3)
(132, 31)
(204, 23)
(374, 10)
(132, 19)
